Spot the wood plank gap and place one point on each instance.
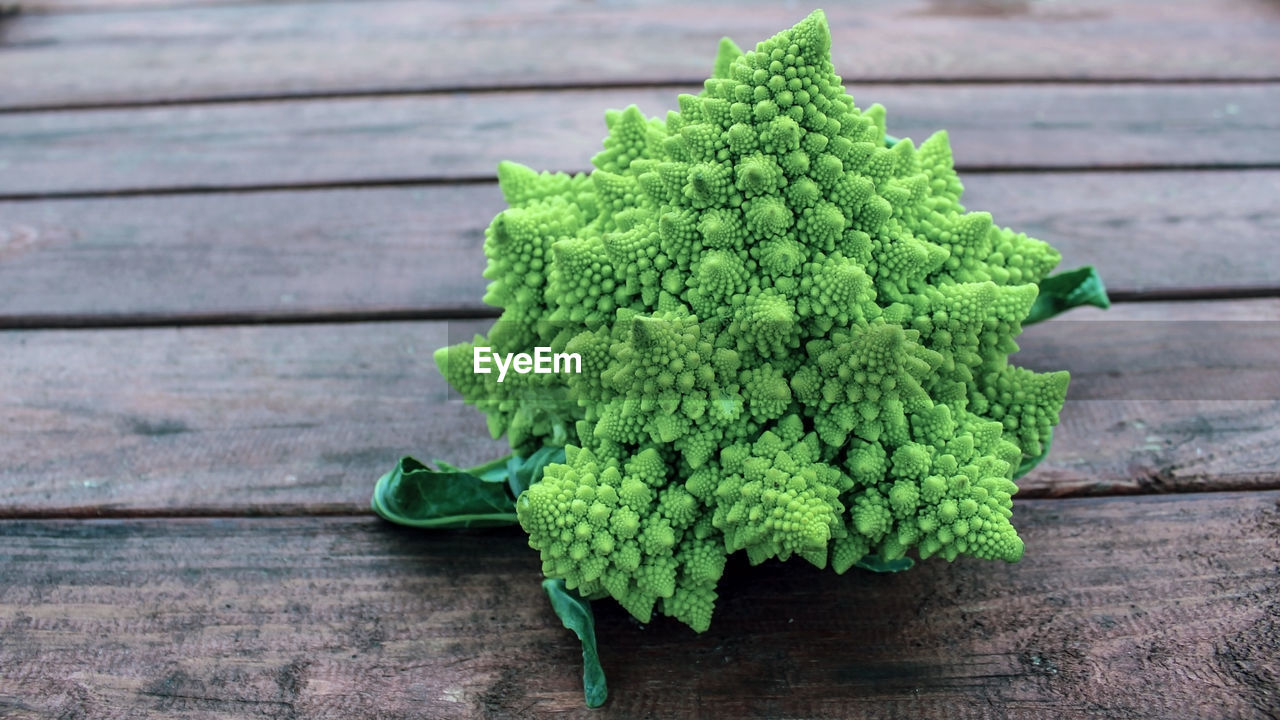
(1193, 294)
(974, 169)
(542, 86)
(336, 510)
(426, 181)
(343, 317)
(249, 188)
(1147, 486)
(472, 312)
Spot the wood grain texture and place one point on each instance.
(303, 418)
(201, 161)
(1150, 607)
(98, 6)
(1163, 396)
(279, 253)
(243, 419)
(466, 135)
(418, 249)
(185, 53)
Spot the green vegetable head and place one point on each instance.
(793, 338)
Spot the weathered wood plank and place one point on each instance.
(465, 135)
(97, 6)
(303, 418)
(1149, 607)
(278, 253)
(1147, 232)
(185, 53)
(235, 418)
(1163, 397)
(301, 254)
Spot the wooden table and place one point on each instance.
(232, 231)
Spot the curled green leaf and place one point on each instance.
(575, 612)
(495, 470)
(1066, 290)
(416, 495)
(448, 496)
(526, 472)
(875, 563)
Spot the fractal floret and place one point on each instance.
(793, 338)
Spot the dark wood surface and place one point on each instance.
(1172, 610)
(184, 51)
(233, 231)
(463, 136)
(357, 252)
(295, 419)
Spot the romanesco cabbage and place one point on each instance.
(794, 341)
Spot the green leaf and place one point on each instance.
(1061, 292)
(575, 613)
(523, 474)
(493, 471)
(1029, 463)
(890, 141)
(875, 563)
(419, 496)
